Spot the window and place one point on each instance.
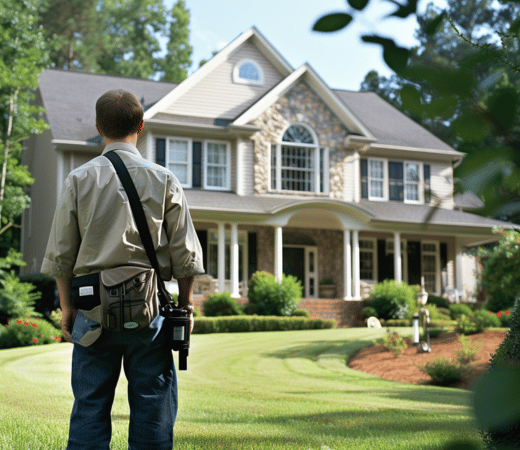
(178, 160)
(297, 163)
(411, 182)
(376, 179)
(248, 72)
(217, 165)
(367, 259)
(213, 253)
(430, 265)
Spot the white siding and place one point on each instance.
(216, 95)
(248, 167)
(349, 179)
(142, 145)
(442, 184)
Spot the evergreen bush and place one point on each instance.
(46, 285)
(507, 356)
(444, 372)
(440, 302)
(458, 309)
(221, 304)
(268, 297)
(368, 311)
(298, 312)
(17, 299)
(393, 300)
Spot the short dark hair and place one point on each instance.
(118, 114)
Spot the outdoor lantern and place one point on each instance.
(423, 316)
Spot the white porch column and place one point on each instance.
(459, 254)
(357, 274)
(398, 274)
(234, 261)
(278, 254)
(347, 266)
(221, 257)
(239, 173)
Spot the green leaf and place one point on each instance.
(441, 106)
(496, 398)
(515, 27)
(411, 99)
(503, 107)
(395, 57)
(471, 127)
(332, 22)
(433, 25)
(405, 10)
(358, 4)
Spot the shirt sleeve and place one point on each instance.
(64, 239)
(185, 248)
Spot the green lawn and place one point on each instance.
(279, 390)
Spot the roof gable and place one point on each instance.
(210, 91)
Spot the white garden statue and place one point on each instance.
(373, 322)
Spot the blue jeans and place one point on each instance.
(152, 388)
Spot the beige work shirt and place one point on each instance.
(94, 229)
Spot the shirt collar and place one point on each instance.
(121, 146)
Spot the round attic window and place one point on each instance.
(248, 72)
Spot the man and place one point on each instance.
(94, 230)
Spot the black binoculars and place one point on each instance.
(177, 323)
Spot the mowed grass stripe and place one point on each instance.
(279, 390)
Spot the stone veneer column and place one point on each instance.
(234, 261)
(356, 262)
(398, 275)
(347, 266)
(278, 253)
(221, 257)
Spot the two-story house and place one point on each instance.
(282, 173)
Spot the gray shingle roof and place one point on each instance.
(69, 99)
(391, 211)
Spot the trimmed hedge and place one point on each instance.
(240, 324)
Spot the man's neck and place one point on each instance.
(131, 139)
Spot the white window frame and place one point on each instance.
(389, 249)
(420, 183)
(374, 257)
(437, 255)
(190, 156)
(227, 186)
(385, 179)
(315, 156)
(236, 71)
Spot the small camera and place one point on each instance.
(177, 323)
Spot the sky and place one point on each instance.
(340, 58)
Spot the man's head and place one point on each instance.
(119, 114)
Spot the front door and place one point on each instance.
(302, 262)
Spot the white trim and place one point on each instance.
(278, 253)
(227, 187)
(234, 251)
(221, 255)
(437, 255)
(189, 82)
(420, 184)
(150, 148)
(344, 114)
(357, 177)
(239, 80)
(239, 167)
(436, 154)
(347, 266)
(355, 264)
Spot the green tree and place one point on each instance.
(177, 60)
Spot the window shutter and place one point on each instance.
(251, 253)
(160, 152)
(395, 180)
(364, 178)
(197, 165)
(427, 185)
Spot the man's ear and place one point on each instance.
(141, 127)
(98, 130)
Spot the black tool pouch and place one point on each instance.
(84, 291)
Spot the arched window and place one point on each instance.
(298, 162)
(248, 72)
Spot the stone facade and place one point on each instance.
(300, 105)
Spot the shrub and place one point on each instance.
(393, 300)
(465, 325)
(221, 304)
(440, 302)
(238, 324)
(29, 331)
(483, 320)
(368, 311)
(393, 342)
(46, 285)
(268, 297)
(444, 372)
(17, 299)
(458, 309)
(468, 353)
(197, 313)
(395, 323)
(55, 318)
(301, 313)
(506, 356)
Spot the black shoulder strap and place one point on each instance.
(139, 217)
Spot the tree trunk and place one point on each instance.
(12, 100)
